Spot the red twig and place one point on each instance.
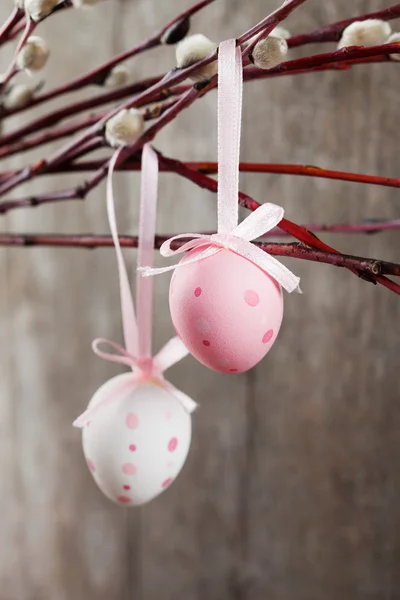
(289, 227)
(210, 168)
(368, 266)
(13, 20)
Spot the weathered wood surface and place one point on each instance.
(292, 487)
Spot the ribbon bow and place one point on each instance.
(138, 333)
(231, 235)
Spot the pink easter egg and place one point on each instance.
(136, 445)
(226, 310)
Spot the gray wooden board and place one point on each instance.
(291, 487)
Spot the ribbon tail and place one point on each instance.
(288, 280)
(265, 218)
(127, 307)
(173, 352)
(92, 411)
(186, 401)
(147, 230)
(151, 271)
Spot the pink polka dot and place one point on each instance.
(167, 482)
(268, 336)
(132, 421)
(91, 466)
(129, 469)
(197, 292)
(132, 448)
(173, 444)
(124, 499)
(251, 298)
(168, 416)
(170, 464)
(206, 343)
(127, 487)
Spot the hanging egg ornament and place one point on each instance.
(226, 310)
(136, 445)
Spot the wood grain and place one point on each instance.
(291, 490)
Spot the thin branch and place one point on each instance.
(13, 20)
(367, 266)
(211, 168)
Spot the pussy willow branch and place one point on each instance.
(150, 112)
(12, 70)
(328, 33)
(302, 65)
(79, 107)
(100, 73)
(333, 32)
(174, 78)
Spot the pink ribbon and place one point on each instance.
(231, 235)
(138, 333)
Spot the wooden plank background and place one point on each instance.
(292, 487)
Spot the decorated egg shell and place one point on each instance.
(226, 310)
(136, 444)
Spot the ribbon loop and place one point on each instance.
(121, 356)
(265, 218)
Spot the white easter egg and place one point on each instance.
(136, 445)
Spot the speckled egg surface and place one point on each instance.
(226, 310)
(136, 445)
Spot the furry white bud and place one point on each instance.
(269, 53)
(33, 56)
(191, 50)
(17, 96)
(84, 3)
(117, 77)
(371, 32)
(395, 37)
(124, 128)
(39, 9)
(281, 32)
